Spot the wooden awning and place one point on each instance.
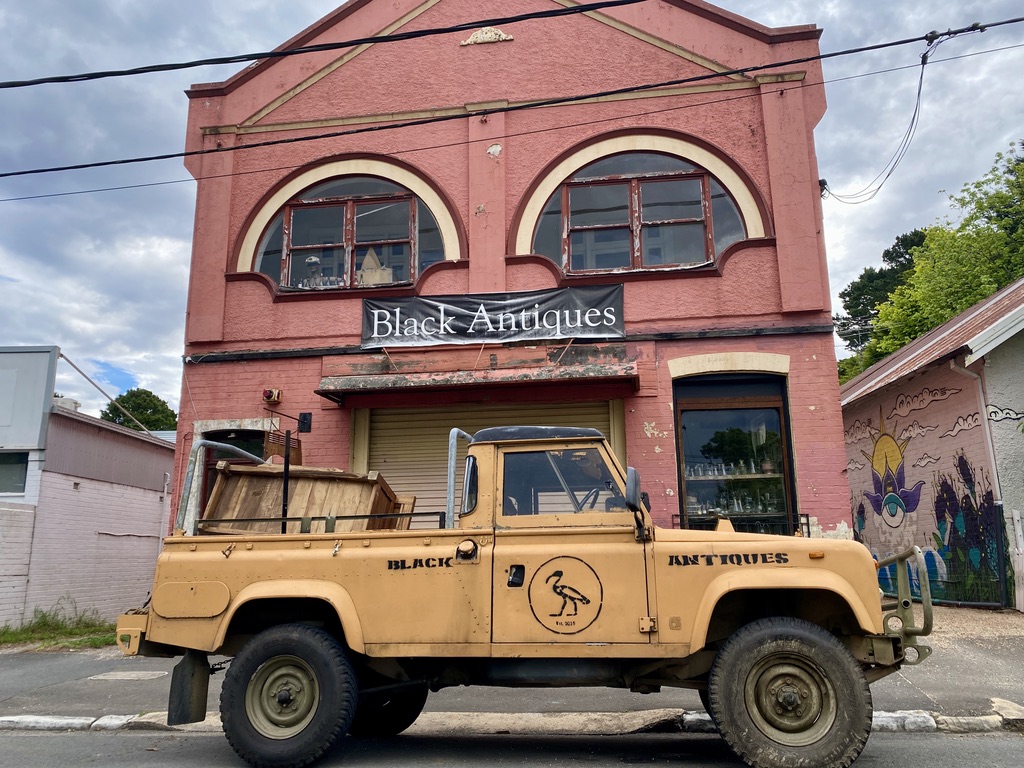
(336, 387)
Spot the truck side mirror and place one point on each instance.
(633, 492)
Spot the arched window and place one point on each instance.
(350, 232)
(637, 210)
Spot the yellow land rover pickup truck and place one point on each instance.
(340, 618)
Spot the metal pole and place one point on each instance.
(1002, 542)
(453, 437)
(287, 464)
(193, 461)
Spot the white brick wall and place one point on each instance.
(16, 522)
(95, 543)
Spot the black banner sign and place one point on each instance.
(593, 312)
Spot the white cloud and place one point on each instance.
(123, 305)
(103, 275)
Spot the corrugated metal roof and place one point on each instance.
(975, 331)
(84, 418)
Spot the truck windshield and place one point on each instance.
(559, 482)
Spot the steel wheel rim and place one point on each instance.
(282, 697)
(790, 700)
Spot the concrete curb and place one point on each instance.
(1008, 716)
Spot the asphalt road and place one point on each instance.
(152, 749)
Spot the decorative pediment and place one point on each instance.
(486, 35)
(369, 83)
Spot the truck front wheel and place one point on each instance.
(787, 694)
(287, 697)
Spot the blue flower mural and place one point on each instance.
(891, 500)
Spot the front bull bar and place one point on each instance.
(898, 615)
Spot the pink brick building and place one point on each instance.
(497, 227)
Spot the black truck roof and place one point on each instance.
(504, 434)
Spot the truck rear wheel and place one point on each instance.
(785, 693)
(388, 713)
(287, 697)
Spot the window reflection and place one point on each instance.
(733, 462)
(637, 210)
(350, 232)
(559, 482)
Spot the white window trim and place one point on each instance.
(360, 167)
(728, 362)
(685, 150)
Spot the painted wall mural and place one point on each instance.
(969, 532)
(927, 482)
(891, 499)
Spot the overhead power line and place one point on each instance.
(875, 185)
(306, 49)
(929, 38)
(565, 126)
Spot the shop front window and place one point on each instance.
(354, 232)
(734, 454)
(637, 211)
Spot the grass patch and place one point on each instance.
(61, 627)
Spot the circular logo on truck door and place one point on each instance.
(565, 595)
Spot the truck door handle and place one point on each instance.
(516, 575)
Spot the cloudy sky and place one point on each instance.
(103, 274)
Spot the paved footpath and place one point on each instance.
(973, 682)
(1006, 715)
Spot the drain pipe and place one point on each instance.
(983, 415)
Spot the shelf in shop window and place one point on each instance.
(755, 476)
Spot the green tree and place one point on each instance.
(956, 265)
(728, 445)
(153, 412)
(862, 297)
(960, 265)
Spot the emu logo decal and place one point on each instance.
(565, 595)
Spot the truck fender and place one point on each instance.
(816, 579)
(333, 594)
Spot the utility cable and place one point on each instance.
(270, 169)
(112, 400)
(391, 38)
(875, 185)
(929, 38)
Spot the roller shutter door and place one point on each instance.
(409, 447)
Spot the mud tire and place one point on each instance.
(287, 697)
(785, 693)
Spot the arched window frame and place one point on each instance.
(750, 207)
(344, 254)
(626, 227)
(259, 229)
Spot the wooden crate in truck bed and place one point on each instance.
(245, 492)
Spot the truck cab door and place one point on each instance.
(568, 566)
